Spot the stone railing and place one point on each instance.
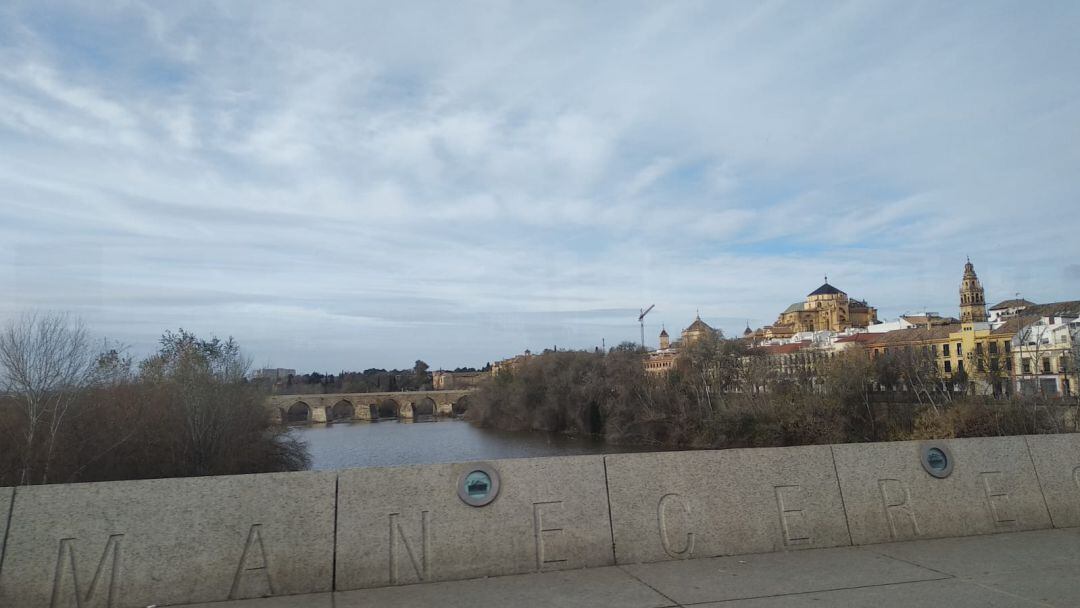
(172, 541)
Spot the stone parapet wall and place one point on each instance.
(176, 541)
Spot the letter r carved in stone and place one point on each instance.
(899, 512)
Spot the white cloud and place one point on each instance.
(364, 185)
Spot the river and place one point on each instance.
(392, 443)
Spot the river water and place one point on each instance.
(392, 443)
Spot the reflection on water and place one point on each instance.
(390, 443)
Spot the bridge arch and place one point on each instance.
(343, 410)
(460, 406)
(298, 412)
(389, 408)
(424, 407)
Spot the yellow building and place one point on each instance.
(971, 349)
(825, 309)
(663, 359)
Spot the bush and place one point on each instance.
(188, 411)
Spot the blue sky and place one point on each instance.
(351, 185)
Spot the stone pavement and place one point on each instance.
(1021, 569)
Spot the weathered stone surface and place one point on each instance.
(673, 505)
(1057, 461)
(406, 525)
(169, 541)
(888, 496)
(593, 588)
(770, 574)
(6, 494)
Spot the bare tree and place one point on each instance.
(46, 361)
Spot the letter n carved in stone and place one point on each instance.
(422, 566)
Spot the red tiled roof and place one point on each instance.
(782, 349)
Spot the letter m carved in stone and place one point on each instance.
(68, 592)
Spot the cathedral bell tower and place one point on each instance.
(972, 299)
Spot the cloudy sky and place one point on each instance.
(348, 185)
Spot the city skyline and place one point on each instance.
(343, 187)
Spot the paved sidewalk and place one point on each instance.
(1022, 569)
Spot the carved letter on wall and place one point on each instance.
(422, 566)
(896, 501)
(252, 578)
(539, 531)
(661, 516)
(792, 516)
(67, 592)
(997, 499)
(1076, 478)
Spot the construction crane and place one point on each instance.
(641, 320)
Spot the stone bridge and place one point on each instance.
(369, 406)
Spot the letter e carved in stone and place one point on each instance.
(792, 515)
(997, 499)
(539, 530)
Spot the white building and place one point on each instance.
(1044, 356)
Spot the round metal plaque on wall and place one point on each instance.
(478, 485)
(937, 459)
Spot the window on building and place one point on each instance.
(1063, 364)
(1025, 365)
(978, 348)
(979, 365)
(1046, 365)
(944, 350)
(1008, 346)
(959, 366)
(933, 349)
(959, 349)
(948, 366)
(993, 348)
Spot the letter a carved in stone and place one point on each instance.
(104, 588)
(252, 577)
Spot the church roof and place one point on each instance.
(825, 290)
(699, 325)
(663, 333)
(748, 331)
(796, 307)
(1070, 307)
(1014, 303)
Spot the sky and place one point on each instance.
(345, 185)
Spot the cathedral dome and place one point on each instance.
(825, 290)
(699, 325)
